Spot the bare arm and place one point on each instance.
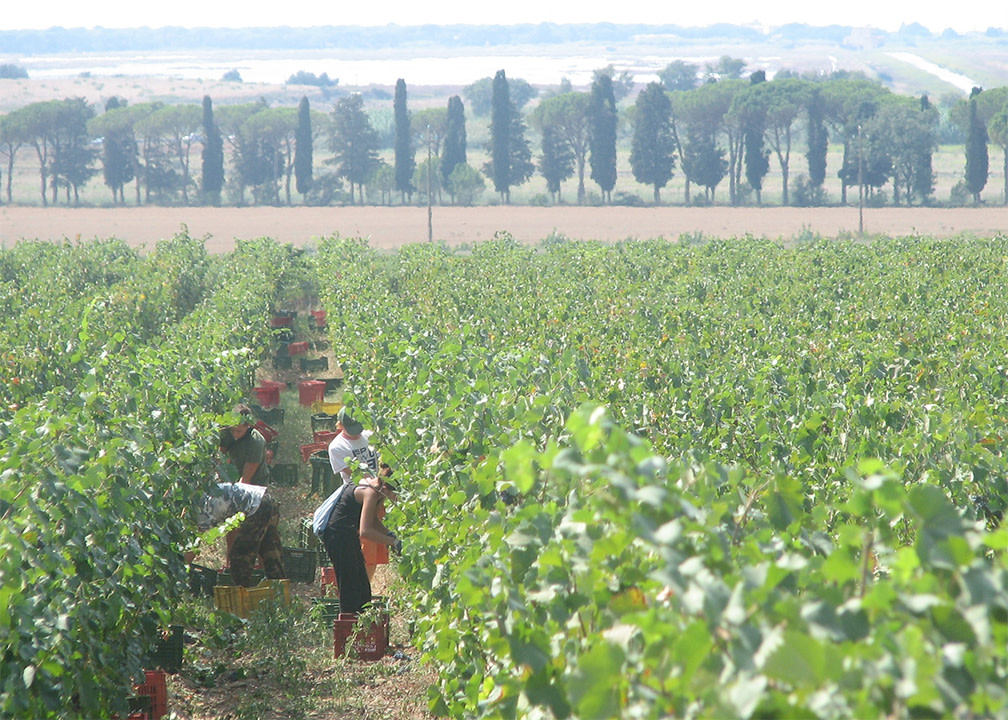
(371, 528)
(248, 472)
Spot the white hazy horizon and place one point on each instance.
(936, 17)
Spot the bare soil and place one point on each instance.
(391, 227)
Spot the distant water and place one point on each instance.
(276, 68)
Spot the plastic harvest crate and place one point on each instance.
(310, 449)
(156, 688)
(329, 408)
(201, 580)
(323, 478)
(328, 609)
(167, 653)
(268, 432)
(285, 474)
(327, 582)
(361, 637)
(315, 365)
(308, 540)
(241, 601)
(323, 422)
(300, 565)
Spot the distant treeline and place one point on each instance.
(63, 40)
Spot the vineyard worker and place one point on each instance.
(256, 537)
(355, 518)
(351, 445)
(245, 448)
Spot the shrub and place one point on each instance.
(9, 71)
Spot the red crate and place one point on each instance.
(324, 436)
(308, 450)
(268, 395)
(311, 392)
(320, 317)
(371, 639)
(269, 433)
(278, 321)
(297, 348)
(157, 688)
(327, 582)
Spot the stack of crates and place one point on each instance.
(241, 601)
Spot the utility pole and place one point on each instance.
(430, 220)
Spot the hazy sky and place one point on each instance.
(936, 16)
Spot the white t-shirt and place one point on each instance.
(356, 450)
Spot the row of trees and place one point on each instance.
(710, 127)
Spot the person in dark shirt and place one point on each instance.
(245, 448)
(356, 517)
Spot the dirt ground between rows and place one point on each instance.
(391, 227)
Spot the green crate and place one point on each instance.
(300, 564)
(167, 653)
(323, 422)
(202, 580)
(272, 416)
(314, 364)
(323, 477)
(327, 609)
(309, 540)
(224, 576)
(284, 474)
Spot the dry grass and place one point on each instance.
(390, 227)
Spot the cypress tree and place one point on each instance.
(213, 155)
(303, 149)
(405, 152)
(977, 160)
(757, 159)
(454, 153)
(500, 137)
(602, 134)
(818, 140)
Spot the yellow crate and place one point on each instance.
(231, 598)
(241, 601)
(329, 408)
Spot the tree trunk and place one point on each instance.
(1005, 177)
